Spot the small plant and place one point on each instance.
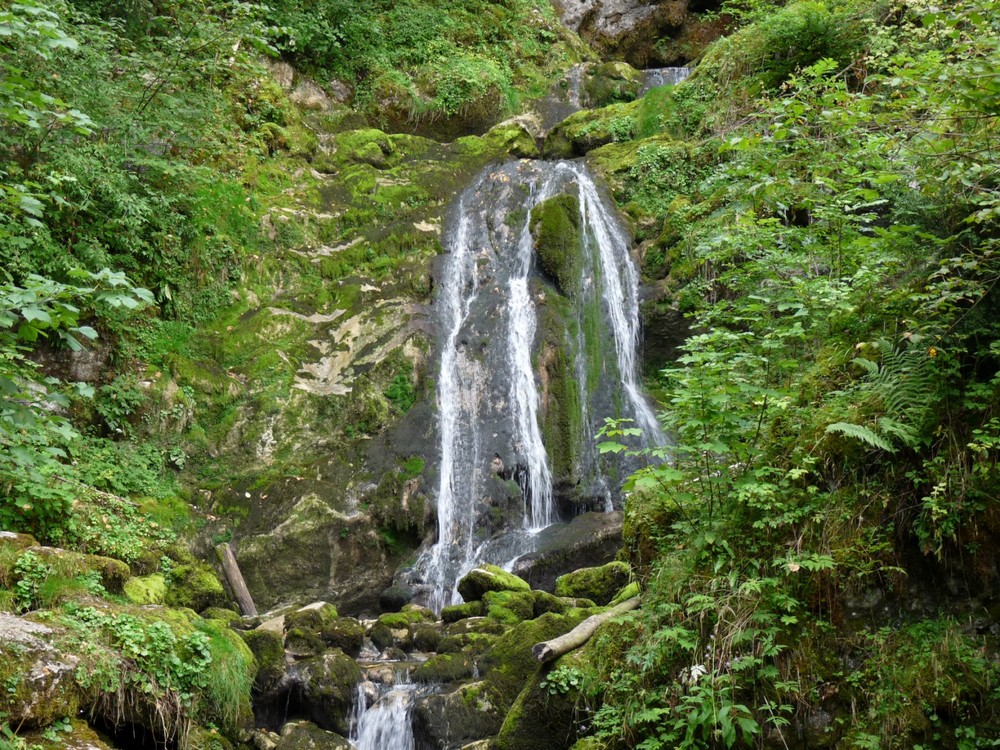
(562, 680)
(31, 574)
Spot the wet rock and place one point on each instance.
(395, 598)
(489, 578)
(304, 735)
(456, 717)
(599, 584)
(445, 668)
(589, 539)
(426, 637)
(611, 83)
(457, 612)
(39, 679)
(315, 616)
(268, 649)
(345, 633)
(323, 689)
(509, 607)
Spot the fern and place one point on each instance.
(862, 433)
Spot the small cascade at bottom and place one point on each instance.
(386, 724)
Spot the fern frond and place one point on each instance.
(867, 365)
(862, 433)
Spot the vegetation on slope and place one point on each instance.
(818, 549)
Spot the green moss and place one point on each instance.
(398, 620)
(303, 642)
(151, 589)
(555, 225)
(470, 644)
(489, 578)
(195, 586)
(345, 633)
(457, 612)
(268, 649)
(627, 592)
(510, 607)
(610, 83)
(445, 668)
(586, 130)
(315, 617)
(600, 584)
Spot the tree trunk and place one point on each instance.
(549, 650)
(235, 579)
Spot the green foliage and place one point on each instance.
(31, 572)
(562, 680)
(400, 393)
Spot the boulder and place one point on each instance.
(151, 589)
(395, 598)
(489, 578)
(39, 680)
(268, 649)
(304, 735)
(510, 607)
(457, 612)
(445, 668)
(454, 718)
(345, 633)
(196, 587)
(323, 689)
(600, 584)
(589, 539)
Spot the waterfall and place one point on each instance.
(662, 77)
(385, 725)
(495, 480)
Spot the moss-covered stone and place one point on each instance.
(457, 612)
(489, 578)
(485, 625)
(445, 668)
(471, 644)
(512, 138)
(406, 617)
(627, 592)
(196, 587)
(589, 129)
(599, 584)
(555, 226)
(151, 589)
(65, 563)
(452, 719)
(201, 738)
(304, 735)
(509, 607)
(226, 616)
(326, 688)
(425, 637)
(546, 602)
(610, 83)
(303, 642)
(315, 616)
(268, 649)
(345, 633)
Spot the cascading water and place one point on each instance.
(662, 77)
(495, 473)
(386, 724)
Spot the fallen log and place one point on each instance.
(553, 649)
(235, 579)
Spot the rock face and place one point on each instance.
(39, 680)
(630, 29)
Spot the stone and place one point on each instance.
(313, 616)
(323, 689)
(345, 633)
(456, 612)
(195, 586)
(489, 578)
(445, 668)
(304, 735)
(268, 649)
(151, 589)
(308, 95)
(589, 539)
(282, 73)
(599, 584)
(453, 718)
(510, 607)
(40, 680)
(394, 598)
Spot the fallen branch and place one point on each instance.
(549, 650)
(235, 579)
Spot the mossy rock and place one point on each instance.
(610, 83)
(456, 612)
(471, 644)
(326, 688)
(196, 587)
(627, 592)
(539, 713)
(452, 719)
(345, 633)
(489, 578)
(394, 598)
(226, 616)
(81, 736)
(555, 226)
(200, 738)
(39, 680)
(510, 607)
(599, 584)
(589, 129)
(12, 540)
(546, 602)
(151, 589)
(425, 637)
(445, 668)
(113, 573)
(268, 649)
(303, 642)
(304, 735)
(483, 625)
(407, 617)
(512, 138)
(315, 616)
(510, 663)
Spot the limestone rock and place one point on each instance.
(590, 539)
(40, 680)
(308, 95)
(324, 688)
(345, 633)
(453, 718)
(489, 578)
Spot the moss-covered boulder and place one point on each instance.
(202, 738)
(394, 598)
(471, 644)
(268, 649)
(315, 616)
(611, 83)
(65, 563)
(39, 680)
(304, 735)
(426, 636)
(410, 615)
(489, 578)
(381, 635)
(514, 137)
(226, 616)
(345, 633)
(600, 584)
(196, 587)
(589, 129)
(17, 542)
(555, 226)
(151, 589)
(452, 719)
(324, 689)
(79, 736)
(546, 602)
(300, 642)
(445, 668)
(510, 607)
(457, 612)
